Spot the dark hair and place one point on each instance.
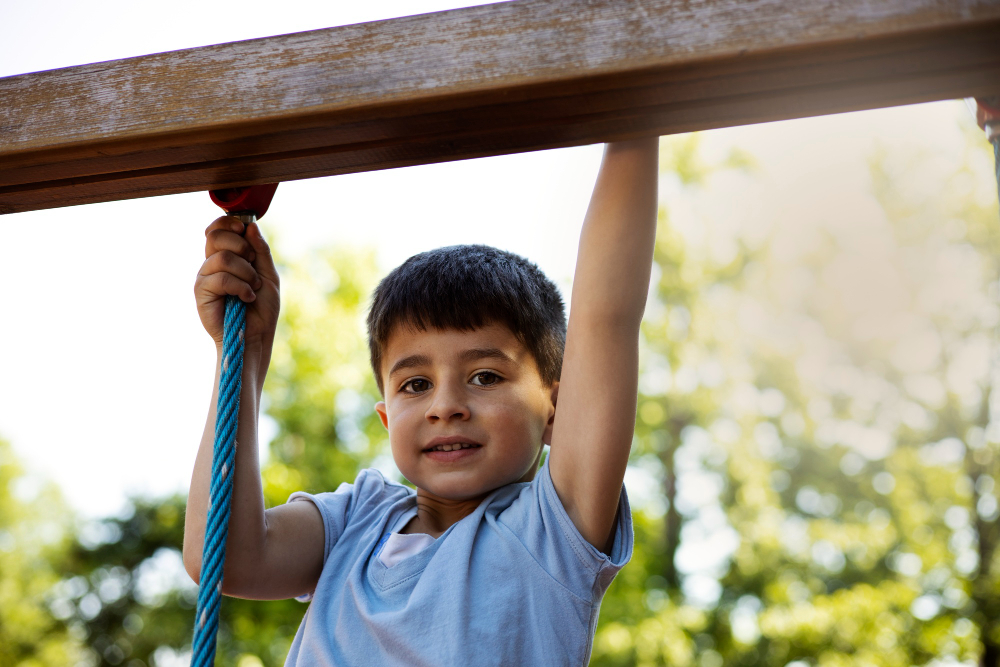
(465, 287)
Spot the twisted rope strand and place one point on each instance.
(213, 557)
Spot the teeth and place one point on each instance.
(451, 448)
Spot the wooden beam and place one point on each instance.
(488, 80)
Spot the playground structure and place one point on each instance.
(488, 80)
(474, 82)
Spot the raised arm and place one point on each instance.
(277, 553)
(595, 412)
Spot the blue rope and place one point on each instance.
(213, 557)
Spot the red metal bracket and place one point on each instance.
(251, 199)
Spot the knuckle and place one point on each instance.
(245, 248)
(226, 258)
(213, 241)
(229, 283)
(211, 265)
(218, 222)
(224, 238)
(226, 281)
(216, 283)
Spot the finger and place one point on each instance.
(224, 239)
(224, 284)
(227, 262)
(264, 261)
(230, 222)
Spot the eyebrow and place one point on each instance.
(473, 354)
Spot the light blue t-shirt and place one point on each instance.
(513, 583)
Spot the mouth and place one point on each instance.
(451, 447)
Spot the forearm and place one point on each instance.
(247, 526)
(616, 243)
(595, 416)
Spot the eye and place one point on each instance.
(486, 379)
(416, 386)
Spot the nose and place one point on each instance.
(448, 403)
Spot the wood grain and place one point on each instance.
(488, 80)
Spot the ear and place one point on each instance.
(383, 415)
(547, 434)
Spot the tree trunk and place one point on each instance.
(987, 614)
(984, 587)
(672, 523)
(991, 655)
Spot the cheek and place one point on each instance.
(534, 402)
(500, 407)
(523, 416)
(401, 417)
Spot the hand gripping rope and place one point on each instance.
(247, 204)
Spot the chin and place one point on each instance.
(462, 489)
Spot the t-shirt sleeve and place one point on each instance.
(339, 507)
(546, 530)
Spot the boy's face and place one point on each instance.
(481, 388)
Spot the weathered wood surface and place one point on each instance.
(488, 80)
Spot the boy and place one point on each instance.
(486, 563)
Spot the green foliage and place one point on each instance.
(851, 470)
(124, 591)
(320, 390)
(819, 436)
(32, 538)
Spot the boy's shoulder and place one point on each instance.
(369, 491)
(375, 478)
(371, 484)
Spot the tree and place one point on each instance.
(124, 591)
(817, 440)
(647, 617)
(824, 431)
(320, 391)
(32, 539)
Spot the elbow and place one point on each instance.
(233, 580)
(192, 563)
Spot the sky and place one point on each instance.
(105, 371)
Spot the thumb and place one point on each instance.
(263, 263)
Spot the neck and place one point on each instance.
(435, 515)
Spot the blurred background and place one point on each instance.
(814, 470)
